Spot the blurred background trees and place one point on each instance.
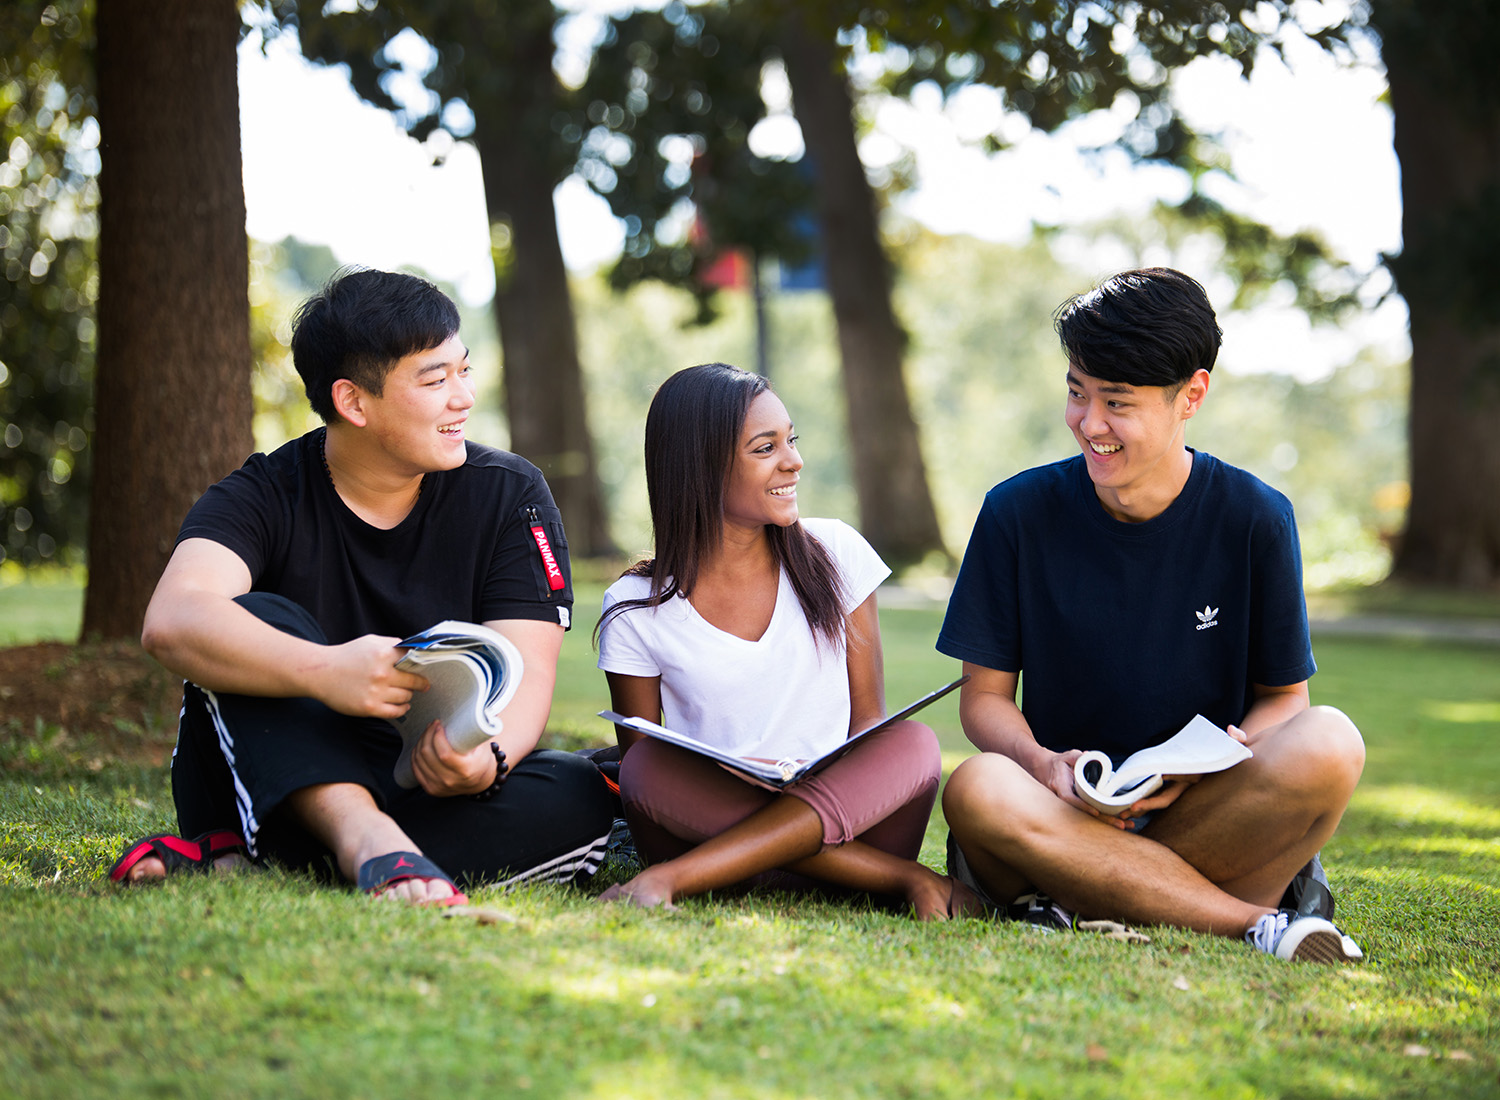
(948, 333)
(662, 121)
(49, 199)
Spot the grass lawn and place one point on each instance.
(266, 985)
(35, 609)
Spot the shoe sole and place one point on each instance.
(1323, 945)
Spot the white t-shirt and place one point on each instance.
(784, 696)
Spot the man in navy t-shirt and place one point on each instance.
(1135, 585)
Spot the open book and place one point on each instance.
(1198, 748)
(773, 774)
(473, 671)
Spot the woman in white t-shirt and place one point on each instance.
(758, 634)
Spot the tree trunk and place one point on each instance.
(890, 478)
(543, 381)
(172, 397)
(1449, 149)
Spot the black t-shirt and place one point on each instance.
(475, 547)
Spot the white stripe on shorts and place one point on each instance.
(248, 824)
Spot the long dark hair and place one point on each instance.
(692, 437)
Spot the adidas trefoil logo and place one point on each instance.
(1208, 617)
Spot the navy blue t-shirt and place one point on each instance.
(465, 551)
(1123, 631)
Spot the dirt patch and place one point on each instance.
(110, 697)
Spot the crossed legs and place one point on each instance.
(859, 824)
(1216, 860)
(787, 833)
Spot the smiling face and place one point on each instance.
(418, 419)
(762, 484)
(1132, 438)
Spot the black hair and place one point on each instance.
(360, 325)
(1151, 327)
(692, 438)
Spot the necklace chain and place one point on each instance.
(323, 453)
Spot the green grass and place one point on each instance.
(40, 608)
(1406, 601)
(266, 985)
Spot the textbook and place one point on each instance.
(773, 774)
(1198, 748)
(473, 671)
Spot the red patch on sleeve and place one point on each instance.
(555, 579)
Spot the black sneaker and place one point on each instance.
(1043, 912)
(1309, 893)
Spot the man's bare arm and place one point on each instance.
(1273, 706)
(994, 723)
(525, 716)
(194, 627)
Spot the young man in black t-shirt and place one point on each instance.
(1137, 584)
(291, 583)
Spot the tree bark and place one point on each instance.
(1449, 149)
(172, 398)
(890, 478)
(543, 380)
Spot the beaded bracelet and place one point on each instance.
(502, 772)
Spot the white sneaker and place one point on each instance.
(1292, 936)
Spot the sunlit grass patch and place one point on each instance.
(1407, 805)
(1463, 711)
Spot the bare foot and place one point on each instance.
(641, 891)
(152, 869)
(939, 897)
(407, 877)
(419, 891)
(964, 902)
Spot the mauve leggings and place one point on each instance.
(882, 792)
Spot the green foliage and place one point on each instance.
(1262, 261)
(282, 276)
(1053, 60)
(478, 60)
(49, 200)
(687, 81)
(661, 128)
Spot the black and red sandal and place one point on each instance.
(379, 874)
(177, 854)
